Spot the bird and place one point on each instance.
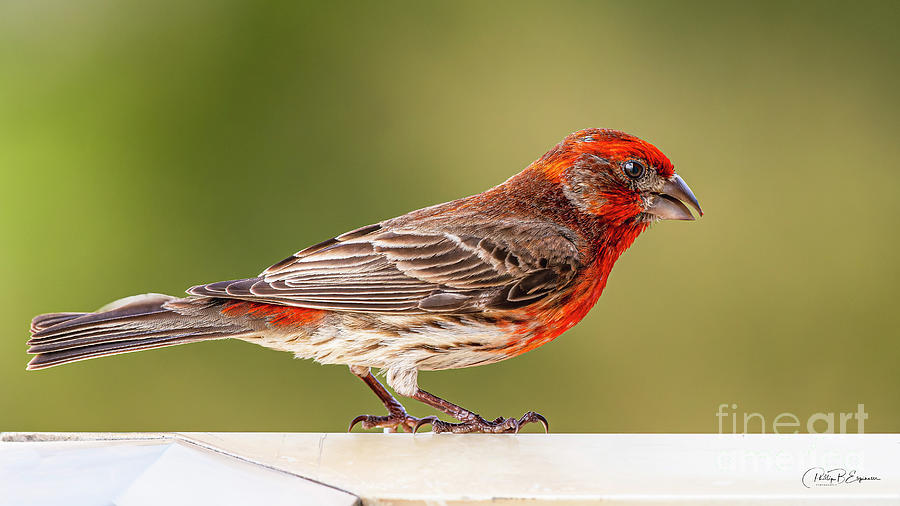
(465, 283)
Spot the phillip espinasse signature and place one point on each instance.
(819, 477)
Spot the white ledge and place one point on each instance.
(273, 468)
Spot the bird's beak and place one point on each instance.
(669, 203)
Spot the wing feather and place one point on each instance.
(383, 269)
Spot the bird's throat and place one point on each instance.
(556, 319)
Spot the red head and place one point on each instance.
(618, 177)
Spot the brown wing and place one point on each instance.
(386, 269)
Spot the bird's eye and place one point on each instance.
(633, 169)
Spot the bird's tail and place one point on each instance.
(130, 324)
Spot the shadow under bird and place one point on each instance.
(464, 283)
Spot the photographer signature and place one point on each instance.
(819, 477)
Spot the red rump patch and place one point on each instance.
(282, 316)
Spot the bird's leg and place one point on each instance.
(396, 417)
(472, 422)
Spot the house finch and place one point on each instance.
(469, 282)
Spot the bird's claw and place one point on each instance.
(356, 421)
(425, 421)
(532, 417)
(479, 424)
(391, 422)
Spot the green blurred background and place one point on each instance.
(150, 146)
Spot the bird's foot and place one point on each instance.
(396, 421)
(475, 423)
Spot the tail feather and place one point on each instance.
(103, 337)
(44, 321)
(52, 358)
(123, 309)
(131, 324)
